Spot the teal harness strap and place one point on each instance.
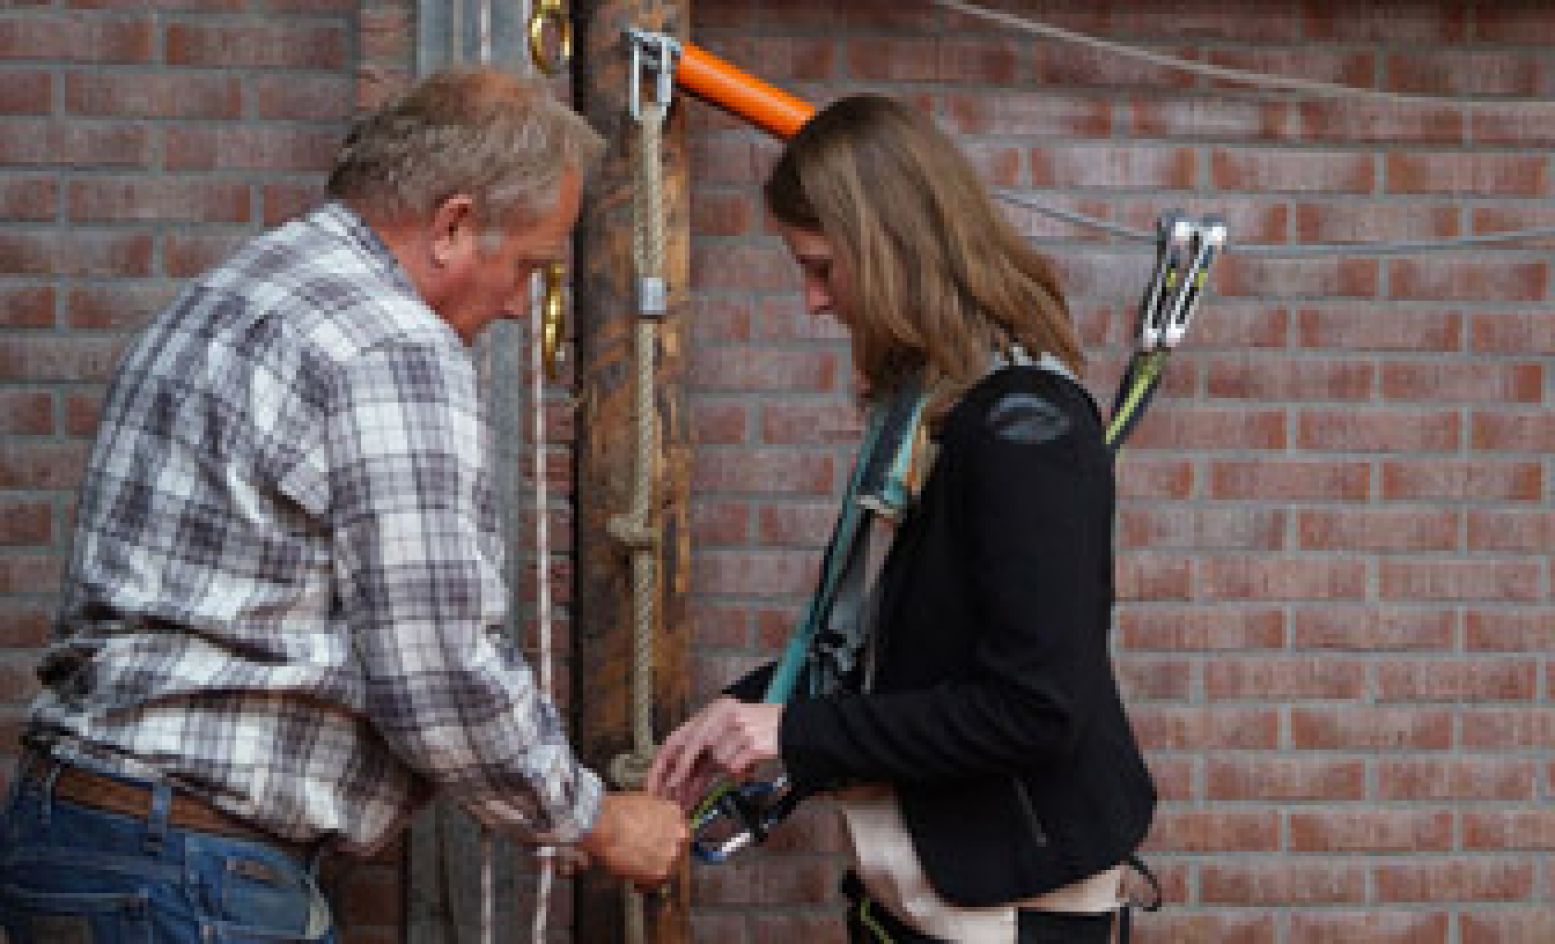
(893, 496)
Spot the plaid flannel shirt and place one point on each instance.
(286, 587)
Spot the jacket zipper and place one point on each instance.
(1026, 806)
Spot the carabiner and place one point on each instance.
(750, 811)
(550, 13)
(657, 51)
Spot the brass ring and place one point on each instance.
(550, 13)
(553, 316)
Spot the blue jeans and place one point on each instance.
(71, 874)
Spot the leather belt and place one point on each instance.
(86, 788)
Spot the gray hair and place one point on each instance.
(503, 140)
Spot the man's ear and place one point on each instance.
(454, 229)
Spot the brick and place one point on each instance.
(26, 306)
(730, 368)
(126, 304)
(789, 58)
(1508, 728)
(26, 412)
(1476, 281)
(1175, 925)
(1206, 19)
(50, 357)
(1522, 629)
(719, 422)
(718, 625)
(1371, 628)
(1460, 72)
(1527, 829)
(1154, 477)
(1216, 119)
(1307, 60)
(1155, 679)
(1215, 831)
(250, 147)
(722, 214)
(1508, 129)
(1324, 223)
(1260, 883)
(1369, 728)
(1270, 170)
(386, 34)
(1503, 925)
(188, 252)
(1477, 879)
(1477, 680)
(153, 95)
(1372, 925)
(1067, 66)
(724, 159)
(1288, 677)
(1154, 577)
(77, 38)
(27, 573)
(1477, 579)
(743, 268)
(78, 146)
(1039, 114)
(1195, 428)
(1113, 165)
(999, 165)
(28, 198)
(1371, 830)
(76, 251)
(1248, 277)
(1527, 335)
(1507, 175)
(305, 97)
(26, 92)
(25, 625)
(42, 465)
(1277, 578)
(1512, 532)
(1192, 728)
(1174, 779)
(1514, 23)
(281, 202)
(976, 61)
(1420, 23)
(1372, 329)
(1206, 529)
(1383, 530)
(795, 525)
(1378, 430)
(298, 45)
(1281, 377)
(26, 521)
(1179, 629)
(1461, 777)
(1271, 777)
(762, 472)
(1505, 431)
(147, 199)
(1382, 123)
(1289, 479)
(1462, 480)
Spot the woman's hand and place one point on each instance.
(728, 738)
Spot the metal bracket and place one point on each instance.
(657, 51)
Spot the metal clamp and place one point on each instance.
(553, 319)
(656, 51)
(550, 13)
(737, 817)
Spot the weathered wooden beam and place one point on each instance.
(605, 302)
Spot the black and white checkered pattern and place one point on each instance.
(286, 591)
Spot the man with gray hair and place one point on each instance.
(281, 629)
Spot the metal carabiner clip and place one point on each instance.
(550, 13)
(1209, 238)
(657, 51)
(737, 817)
(1174, 235)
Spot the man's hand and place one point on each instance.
(728, 738)
(637, 837)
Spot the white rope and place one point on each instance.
(1240, 76)
(1278, 250)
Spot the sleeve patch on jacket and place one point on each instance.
(1026, 418)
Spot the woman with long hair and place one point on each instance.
(956, 696)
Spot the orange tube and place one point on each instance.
(719, 83)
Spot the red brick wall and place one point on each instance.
(1336, 526)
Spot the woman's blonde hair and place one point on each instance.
(939, 278)
(503, 140)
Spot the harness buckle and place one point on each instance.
(737, 817)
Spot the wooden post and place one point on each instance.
(605, 303)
